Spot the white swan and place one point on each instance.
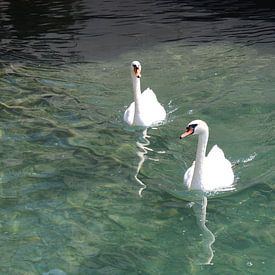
(210, 173)
(145, 110)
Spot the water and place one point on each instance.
(83, 193)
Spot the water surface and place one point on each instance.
(69, 165)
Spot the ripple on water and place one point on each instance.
(69, 196)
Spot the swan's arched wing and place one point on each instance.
(149, 96)
(216, 153)
(217, 159)
(218, 172)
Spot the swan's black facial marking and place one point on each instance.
(192, 126)
(189, 130)
(135, 66)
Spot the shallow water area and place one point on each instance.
(69, 197)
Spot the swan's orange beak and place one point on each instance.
(189, 131)
(137, 72)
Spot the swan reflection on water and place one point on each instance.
(141, 153)
(208, 237)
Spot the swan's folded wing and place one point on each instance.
(129, 114)
(189, 175)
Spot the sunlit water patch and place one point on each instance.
(69, 165)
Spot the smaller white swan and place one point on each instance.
(145, 110)
(210, 173)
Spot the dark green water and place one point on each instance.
(72, 171)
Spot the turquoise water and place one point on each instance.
(83, 193)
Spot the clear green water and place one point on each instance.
(69, 197)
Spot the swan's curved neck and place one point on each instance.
(196, 182)
(137, 97)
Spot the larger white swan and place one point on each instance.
(145, 110)
(210, 173)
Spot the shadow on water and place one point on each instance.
(40, 31)
(72, 31)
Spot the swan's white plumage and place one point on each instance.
(215, 171)
(151, 112)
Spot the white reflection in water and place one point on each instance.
(142, 151)
(208, 237)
